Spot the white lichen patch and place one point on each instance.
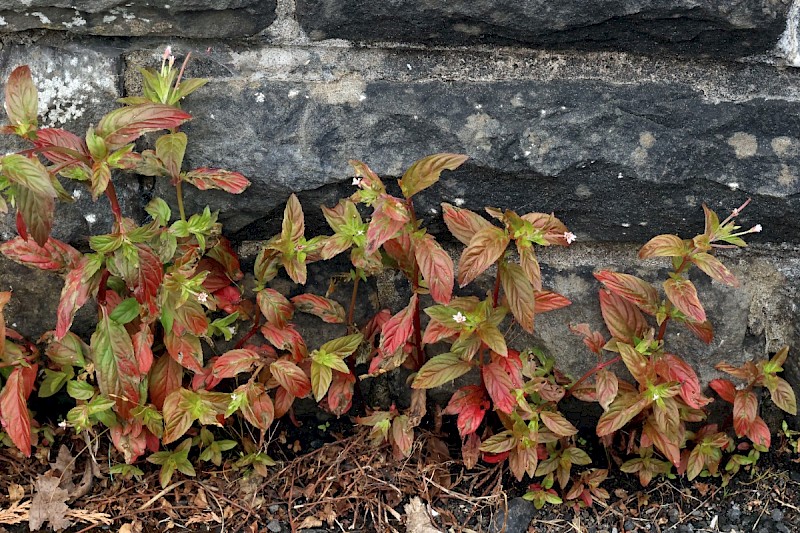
(293, 94)
(345, 91)
(91, 218)
(786, 177)
(646, 140)
(789, 43)
(459, 202)
(3, 21)
(42, 17)
(781, 145)
(108, 19)
(744, 145)
(260, 98)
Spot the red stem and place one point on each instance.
(352, 309)
(597, 368)
(111, 194)
(253, 330)
(101, 292)
(420, 357)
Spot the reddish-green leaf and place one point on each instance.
(291, 377)
(463, 223)
(607, 386)
(436, 268)
(340, 393)
(624, 320)
(745, 410)
(115, 362)
(54, 255)
(519, 294)
(401, 250)
(664, 246)
(275, 307)
(725, 389)
(388, 219)
(143, 348)
(185, 348)
(74, 295)
(258, 408)
(620, 412)
(58, 138)
(294, 226)
(556, 423)
(328, 310)
(782, 394)
(166, 376)
(502, 442)
(14, 413)
(593, 340)
(170, 149)
(550, 301)
(493, 337)
(683, 295)
(554, 231)
(439, 370)
(340, 348)
(702, 330)
(484, 249)
(637, 363)
(529, 264)
(695, 463)
(402, 435)
(225, 255)
(631, 288)
(22, 99)
(714, 268)
(399, 328)
(759, 433)
(205, 178)
(425, 172)
(37, 212)
(499, 386)
(235, 362)
(126, 124)
(287, 338)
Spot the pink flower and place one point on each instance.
(570, 237)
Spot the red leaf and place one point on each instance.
(725, 389)
(148, 281)
(664, 246)
(283, 401)
(593, 340)
(293, 226)
(702, 330)
(287, 338)
(499, 386)
(463, 223)
(22, 99)
(631, 288)
(235, 362)
(401, 250)
(226, 256)
(126, 124)
(638, 365)
(745, 411)
(14, 408)
(166, 376)
(436, 268)
(52, 137)
(328, 310)
(556, 423)
(215, 178)
(607, 386)
(388, 218)
(37, 213)
(436, 331)
(519, 294)
(550, 301)
(116, 367)
(291, 378)
(143, 348)
(216, 277)
(714, 268)
(470, 403)
(275, 307)
(258, 410)
(54, 255)
(402, 435)
(682, 293)
(555, 232)
(74, 295)
(673, 368)
(340, 393)
(483, 250)
(758, 432)
(399, 328)
(624, 320)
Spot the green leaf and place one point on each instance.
(439, 370)
(80, 390)
(126, 311)
(519, 294)
(321, 377)
(116, 365)
(343, 346)
(28, 173)
(170, 149)
(126, 124)
(159, 210)
(425, 172)
(22, 99)
(53, 382)
(330, 360)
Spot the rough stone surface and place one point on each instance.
(514, 520)
(77, 86)
(732, 28)
(615, 145)
(205, 19)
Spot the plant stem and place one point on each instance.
(598, 367)
(111, 194)
(420, 357)
(351, 311)
(179, 194)
(496, 291)
(253, 330)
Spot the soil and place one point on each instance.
(330, 478)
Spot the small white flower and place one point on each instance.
(356, 182)
(570, 237)
(62, 424)
(459, 318)
(234, 397)
(360, 232)
(202, 297)
(167, 53)
(232, 330)
(756, 229)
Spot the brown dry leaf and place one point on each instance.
(133, 527)
(65, 464)
(702, 488)
(621, 493)
(203, 518)
(15, 492)
(417, 519)
(96, 519)
(16, 514)
(310, 522)
(49, 504)
(329, 515)
(416, 412)
(471, 451)
(200, 499)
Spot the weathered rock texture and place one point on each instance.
(622, 117)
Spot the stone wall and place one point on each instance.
(622, 116)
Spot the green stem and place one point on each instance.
(179, 193)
